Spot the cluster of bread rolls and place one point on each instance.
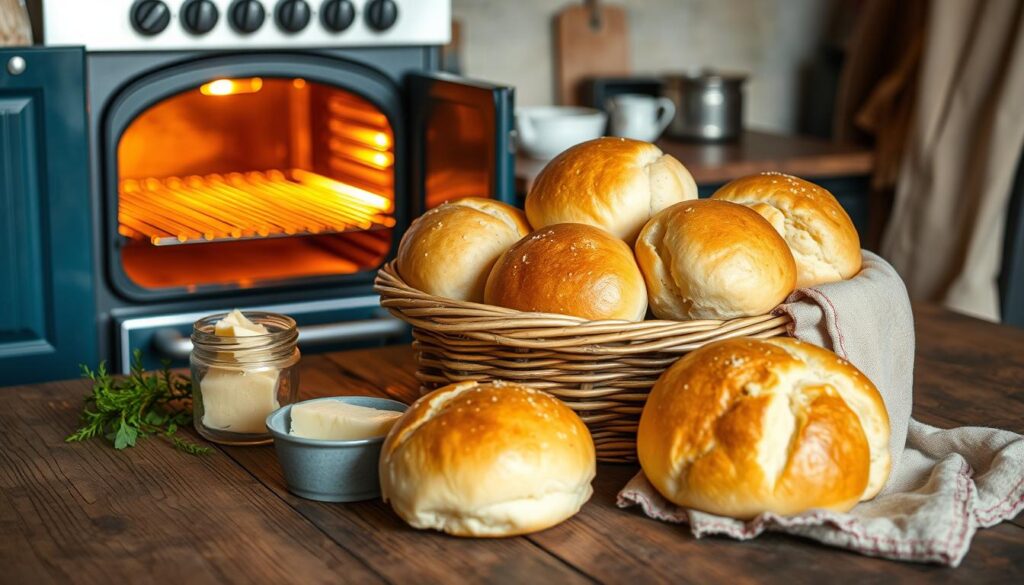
(613, 227)
(576, 260)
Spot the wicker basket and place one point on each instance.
(601, 369)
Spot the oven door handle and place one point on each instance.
(172, 344)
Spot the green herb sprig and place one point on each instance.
(123, 410)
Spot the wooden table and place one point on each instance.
(86, 513)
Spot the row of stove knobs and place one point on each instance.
(150, 17)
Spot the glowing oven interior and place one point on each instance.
(240, 182)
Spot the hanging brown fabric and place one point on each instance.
(945, 236)
(877, 93)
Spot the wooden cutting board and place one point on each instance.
(583, 50)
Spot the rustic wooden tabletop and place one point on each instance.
(84, 513)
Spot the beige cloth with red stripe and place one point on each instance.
(945, 484)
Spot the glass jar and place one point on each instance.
(238, 381)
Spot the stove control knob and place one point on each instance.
(199, 16)
(150, 17)
(337, 15)
(246, 16)
(292, 15)
(381, 14)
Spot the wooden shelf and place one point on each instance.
(755, 151)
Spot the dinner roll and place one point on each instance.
(487, 460)
(819, 232)
(745, 426)
(713, 260)
(613, 183)
(449, 250)
(571, 269)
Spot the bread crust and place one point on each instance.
(745, 426)
(819, 232)
(713, 260)
(615, 184)
(449, 250)
(491, 459)
(569, 269)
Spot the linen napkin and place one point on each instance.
(944, 484)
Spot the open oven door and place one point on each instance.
(461, 140)
(47, 323)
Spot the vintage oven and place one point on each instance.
(164, 159)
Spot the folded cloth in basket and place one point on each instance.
(944, 485)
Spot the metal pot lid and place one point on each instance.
(706, 76)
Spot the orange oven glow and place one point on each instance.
(368, 156)
(231, 86)
(274, 179)
(361, 135)
(245, 205)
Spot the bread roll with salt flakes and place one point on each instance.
(817, 229)
(746, 426)
(449, 250)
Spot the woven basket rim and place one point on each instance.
(466, 318)
(602, 370)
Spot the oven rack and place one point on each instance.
(246, 205)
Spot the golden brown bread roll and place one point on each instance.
(745, 426)
(449, 250)
(713, 260)
(570, 269)
(817, 229)
(487, 460)
(613, 183)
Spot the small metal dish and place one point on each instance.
(329, 471)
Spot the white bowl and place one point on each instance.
(546, 131)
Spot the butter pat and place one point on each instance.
(238, 401)
(237, 325)
(340, 421)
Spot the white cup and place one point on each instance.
(639, 116)
(546, 131)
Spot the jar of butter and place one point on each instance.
(244, 366)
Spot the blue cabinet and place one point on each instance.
(47, 315)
